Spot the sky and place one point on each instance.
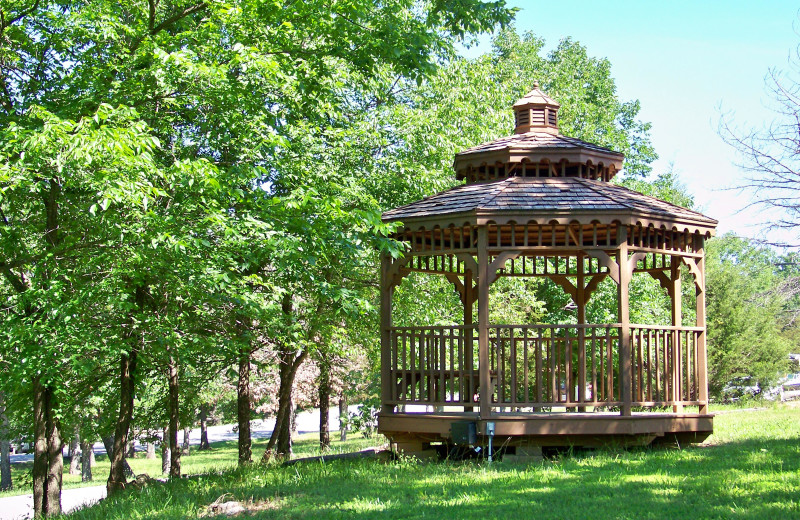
(689, 63)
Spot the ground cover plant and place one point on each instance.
(749, 469)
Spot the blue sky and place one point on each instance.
(688, 63)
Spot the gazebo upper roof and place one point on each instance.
(536, 140)
(539, 174)
(549, 197)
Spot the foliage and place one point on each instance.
(745, 313)
(182, 145)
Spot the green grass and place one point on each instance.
(222, 456)
(749, 469)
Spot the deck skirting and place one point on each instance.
(553, 429)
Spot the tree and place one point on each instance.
(769, 155)
(745, 313)
(98, 257)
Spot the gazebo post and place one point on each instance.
(469, 372)
(386, 289)
(623, 301)
(580, 294)
(702, 359)
(484, 375)
(675, 293)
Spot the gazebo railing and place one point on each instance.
(538, 367)
(434, 365)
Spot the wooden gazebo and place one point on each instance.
(539, 204)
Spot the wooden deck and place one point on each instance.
(551, 429)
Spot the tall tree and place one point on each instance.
(745, 318)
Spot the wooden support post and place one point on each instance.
(625, 366)
(675, 295)
(702, 356)
(581, 303)
(387, 288)
(468, 370)
(483, 323)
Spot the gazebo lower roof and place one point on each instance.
(544, 196)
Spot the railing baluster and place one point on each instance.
(568, 383)
(526, 393)
(539, 374)
(513, 366)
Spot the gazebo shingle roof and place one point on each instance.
(555, 195)
(538, 141)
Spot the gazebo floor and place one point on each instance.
(414, 432)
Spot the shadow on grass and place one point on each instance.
(756, 479)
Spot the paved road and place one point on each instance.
(21, 507)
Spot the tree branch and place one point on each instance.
(7, 23)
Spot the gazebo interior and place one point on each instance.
(539, 205)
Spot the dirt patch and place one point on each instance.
(225, 507)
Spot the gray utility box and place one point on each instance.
(464, 432)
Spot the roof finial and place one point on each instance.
(536, 111)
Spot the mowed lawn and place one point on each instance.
(749, 469)
(222, 456)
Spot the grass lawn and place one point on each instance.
(222, 456)
(749, 469)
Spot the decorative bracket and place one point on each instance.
(456, 281)
(606, 261)
(592, 285)
(499, 262)
(699, 278)
(664, 280)
(469, 262)
(395, 273)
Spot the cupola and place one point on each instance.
(536, 112)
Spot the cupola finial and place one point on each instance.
(536, 112)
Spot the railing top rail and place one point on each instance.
(562, 326)
(550, 327)
(668, 327)
(433, 328)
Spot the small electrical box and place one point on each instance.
(464, 432)
(490, 428)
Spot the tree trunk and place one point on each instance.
(324, 403)
(87, 451)
(204, 445)
(174, 411)
(75, 452)
(108, 444)
(243, 407)
(293, 422)
(165, 454)
(151, 450)
(55, 462)
(92, 459)
(127, 379)
(40, 454)
(185, 448)
(5, 448)
(281, 439)
(344, 417)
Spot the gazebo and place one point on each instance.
(540, 204)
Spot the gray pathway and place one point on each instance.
(21, 507)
